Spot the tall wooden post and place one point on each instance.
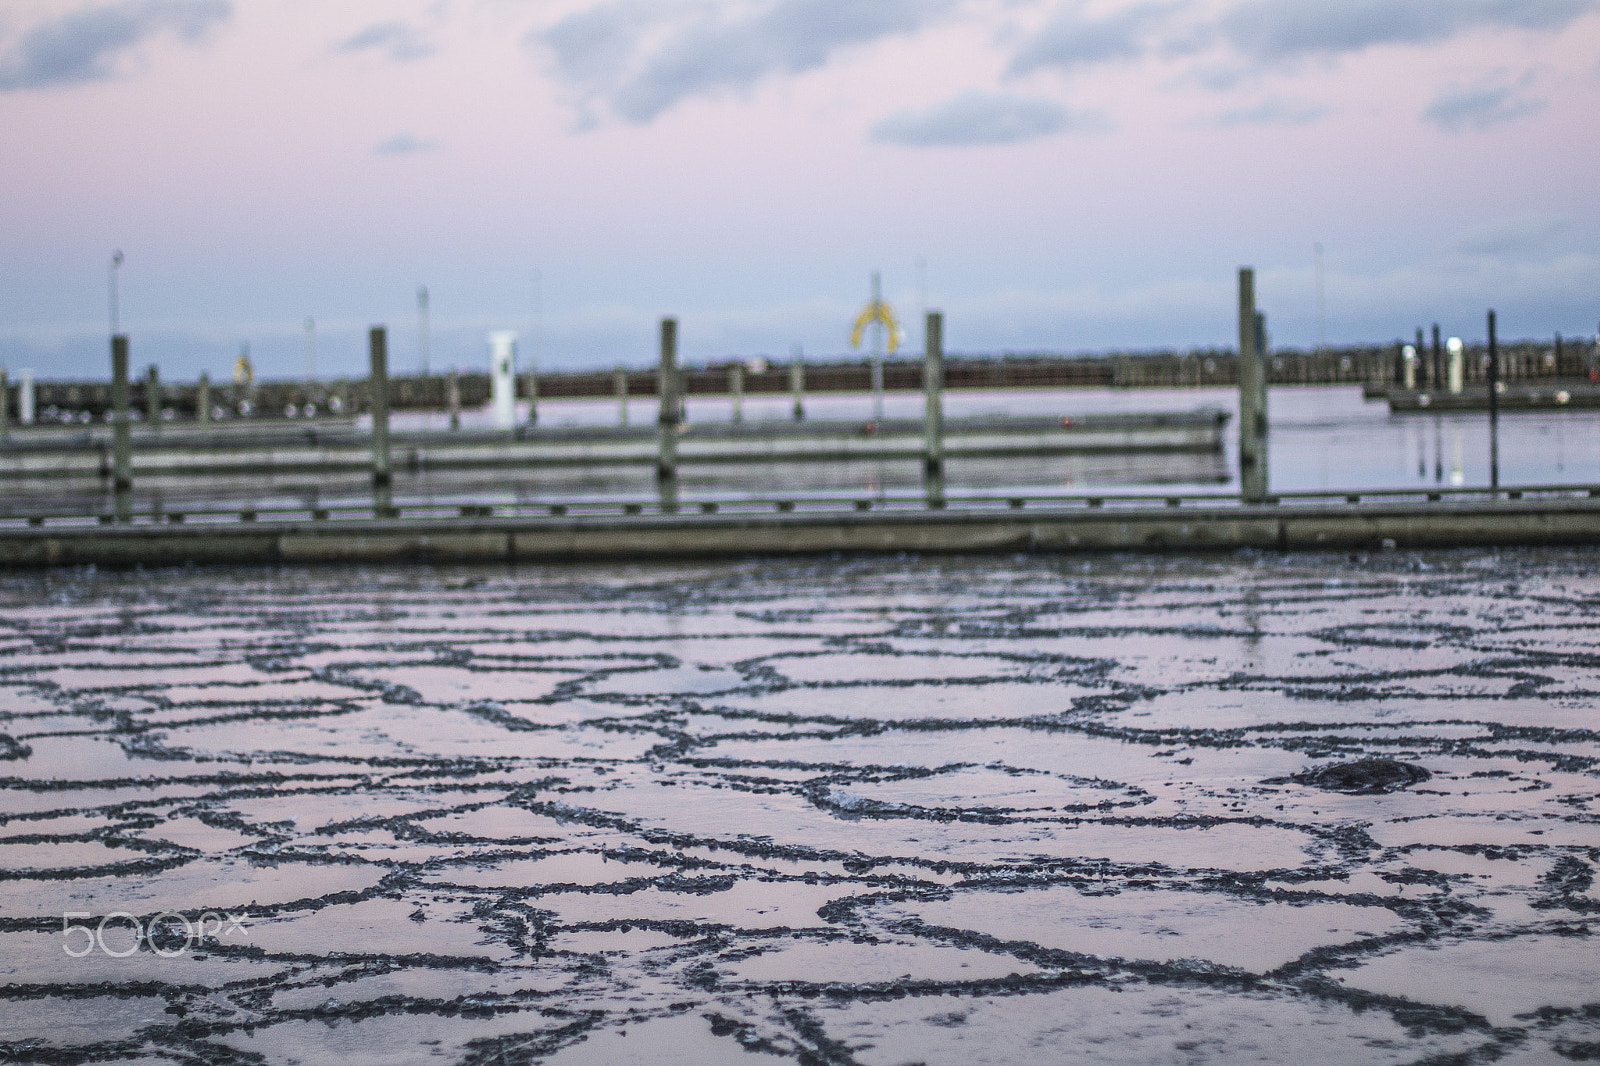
(797, 386)
(1494, 406)
(152, 396)
(933, 412)
(378, 349)
(671, 404)
(121, 441)
(1252, 396)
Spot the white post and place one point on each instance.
(1410, 355)
(503, 378)
(1457, 363)
(736, 387)
(25, 397)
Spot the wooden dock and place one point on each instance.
(244, 449)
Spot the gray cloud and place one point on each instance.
(1285, 29)
(84, 46)
(1483, 105)
(1273, 112)
(979, 118)
(641, 59)
(398, 41)
(1512, 237)
(404, 144)
(1069, 40)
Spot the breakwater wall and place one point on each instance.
(1374, 365)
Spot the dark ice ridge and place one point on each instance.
(840, 811)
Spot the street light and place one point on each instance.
(116, 261)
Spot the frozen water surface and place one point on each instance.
(839, 811)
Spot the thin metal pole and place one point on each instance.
(311, 349)
(1494, 406)
(116, 261)
(736, 388)
(422, 328)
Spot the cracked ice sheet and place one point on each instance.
(852, 811)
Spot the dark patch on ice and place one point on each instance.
(1364, 777)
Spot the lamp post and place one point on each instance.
(111, 274)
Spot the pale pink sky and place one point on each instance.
(1074, 175)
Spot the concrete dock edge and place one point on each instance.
(1362, 526)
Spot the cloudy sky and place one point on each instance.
(1054, 174)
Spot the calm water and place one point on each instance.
(1320, 438)
(873, 812)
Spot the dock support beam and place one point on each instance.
(1252, 394)
(933, 413)
(378, 348)
(671, 409)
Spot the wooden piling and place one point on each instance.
(933, 395)
(667, 386)
(797, 387)
(378, 350)
(121, 440)
(1252, 418)
(1494, 407)
(152, 396)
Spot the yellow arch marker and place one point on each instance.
(876, 311)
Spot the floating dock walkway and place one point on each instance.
(244, 449)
